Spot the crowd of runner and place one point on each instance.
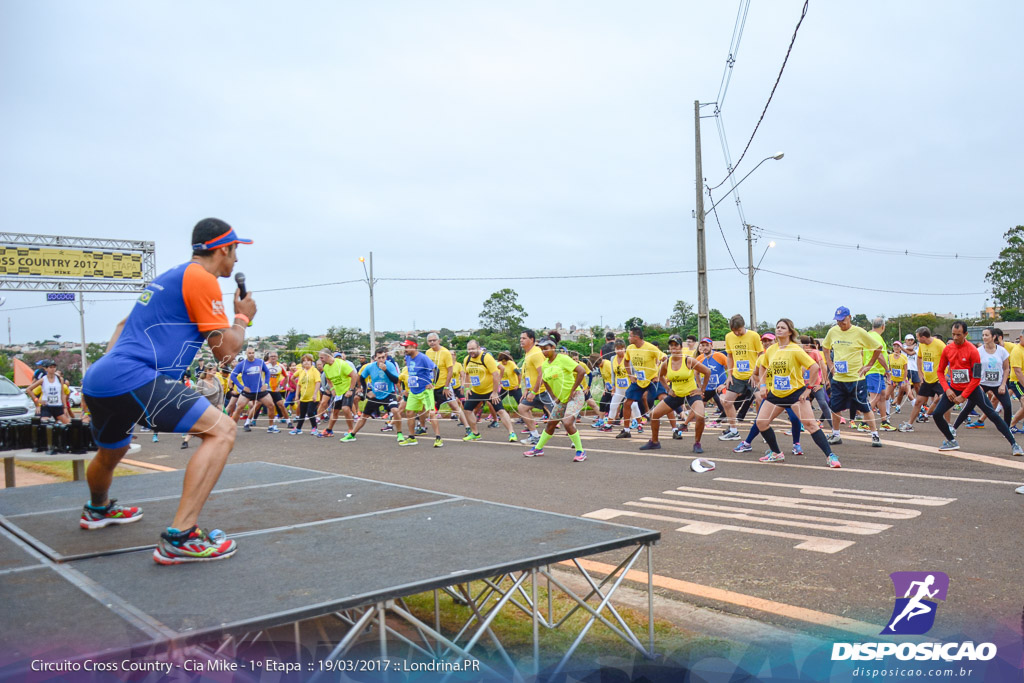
(756, 378)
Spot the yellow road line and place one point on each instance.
(803, 614)
(148, 465)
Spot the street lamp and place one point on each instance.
(703, 321)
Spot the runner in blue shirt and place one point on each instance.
(254, 377)
(381, 377)
(138, 381)
(422, 374)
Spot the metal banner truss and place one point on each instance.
(78, 264)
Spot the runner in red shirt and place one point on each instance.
(964, 386)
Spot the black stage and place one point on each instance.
(310, 543)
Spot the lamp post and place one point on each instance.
(370, 282)
(703, 321)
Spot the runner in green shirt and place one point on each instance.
(562, 377)
(345, 381)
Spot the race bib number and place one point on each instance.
(896, 372)
(474, 381)
(961, 376)
(380, 387)
(842, 367)
(807, 376)
(992, 375)
(927, 365)
(641, 375)
(623, 382)
(505, 383)
(743, 365)
(607, 386)
(451, 382)
(781, 383)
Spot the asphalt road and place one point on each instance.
(796, 533)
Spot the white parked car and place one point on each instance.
(14, 402)
(75, 397)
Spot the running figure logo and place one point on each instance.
(914, 612)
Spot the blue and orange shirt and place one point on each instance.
(163, 332)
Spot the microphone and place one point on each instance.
(240, 281)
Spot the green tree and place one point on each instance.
(502, 312)
(861, 320)
(293, 341)
(681, 317)
(93, 352)
(718, 323)
(1011, 314)
(1006, 274)
(635, 321)
(314, 344)
(348, 338)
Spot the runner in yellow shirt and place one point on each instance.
(901, 386)
(685, 377)
(785, 361)
(444, 388)
(847, 344)
(620, 382)
(532, 375)
(603, 368)
(307, 391)
(642, 359)
(742, 347)
(510, 379)
(482, 377)
(929, 350)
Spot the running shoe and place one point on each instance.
(684, 428)
(325, 433)
(99, 517)
(144, 429)
(580, 456)
(633, 424)
(640, 428)
(534, 453)
(245, 428)
(876, 441)
(420, 430)
(387, 428)
(156, 439)
(315, 432)
(949, 445)
(975, 424)
(408, 441)
(348, 438)
(835, 440)
(531, 439)
(906, 427)
(730, 435)
(952, 430)
(1016, 450)
(772, 457)
(922, 418)
(472, 437)
(624, 434)
(833, 461)
(798, 449)
(842, 420)
(490, 426)
(605, 428)
(886, 427)
(193, 545)
(598, 422)
(743, 447)
(677, 435)
(1016, 430)
(272, 429)
(697, 448)
(438, 442)
(295, 431)
(184, 444)
(651, 446)
(512, 438)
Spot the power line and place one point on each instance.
(734, 50)
(803, 14)
(869, 289)
(322, 284)
(542, 277)
(714, 210)
(874, 250)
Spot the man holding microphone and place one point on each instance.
(137, 381)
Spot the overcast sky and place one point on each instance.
(467, 139)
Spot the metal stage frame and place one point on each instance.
(513, 552)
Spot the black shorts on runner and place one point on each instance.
(739, 386)
(440, 399)
(515, 394)
(677, 402)
(1016, 389)
(163, 405)
(473, 400)
(541, 401)
(51, 411)
(343, 401)
(929, 389)
(255, 396)
(380, 404)
(785, 401)
(276, 397)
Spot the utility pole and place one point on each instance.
(750, 279)
(81, 319)
(703, 322)
(370, 282)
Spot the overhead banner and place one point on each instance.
(75, 263)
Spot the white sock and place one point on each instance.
(835, 432)
(874, 433)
